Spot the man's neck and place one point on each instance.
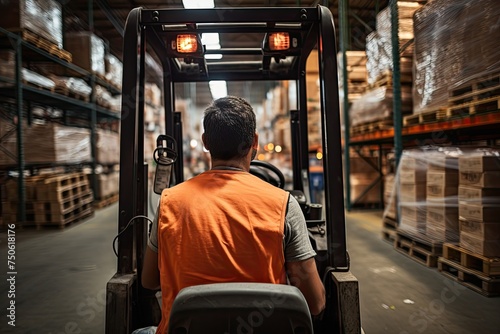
(238, 164)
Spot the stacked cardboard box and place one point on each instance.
(442, 198)
(479, 203)
(88, 51)
(356, 74)
(390, 198)
(412, 192)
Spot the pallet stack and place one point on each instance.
(51, 200)
(442, 198)
(475, 261)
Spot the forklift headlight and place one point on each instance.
(187, 43)
(279, 41)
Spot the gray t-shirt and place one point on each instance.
(296, 241)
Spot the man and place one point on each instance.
(227, 225)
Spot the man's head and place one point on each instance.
(230, 126)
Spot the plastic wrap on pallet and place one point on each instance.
(456, 42)
(37, 79)
(45, 143)
(88, 51)
(377, 105)
(107, 147)
(379, 42)
(75, 85)
(41, 17)
(114, 70)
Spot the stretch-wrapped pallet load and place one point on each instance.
(456, 42)
(41, 17)
(377, 105)
(379, 43)
(45, 143)
(107, 184)
(412, 173)
(390, 198)
(356, 74)
(107, 147)
(479, 202)
(114, 70)
(88, 49)
(442, 195)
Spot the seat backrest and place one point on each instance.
(240, 308)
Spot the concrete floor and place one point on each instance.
(62, 275)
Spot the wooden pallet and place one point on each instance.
(372, 126)
(385, 80)
(476, 90)
(426, 117)
(76, 217)
(484, 285)
(418, 247)
(36, 85)
(45, 45)
(487, 105)
(106, 201)
(483, 265)
(389, 230)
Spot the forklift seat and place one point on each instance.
(233, 308)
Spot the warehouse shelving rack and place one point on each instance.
(20, 97)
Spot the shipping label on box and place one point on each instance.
(488, 213)
(479, 246)
(483, 180)
(443, 216)
(485, 231)
(478, 163)
(412, 176)
(478, 195)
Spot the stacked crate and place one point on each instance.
(442, 198)
(51, 200)
(412, 192)
(363, 174)
(479, 203)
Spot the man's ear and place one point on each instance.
(255, 142)
(203, 140)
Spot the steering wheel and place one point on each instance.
(261, 169)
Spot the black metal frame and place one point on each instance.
(316, 28)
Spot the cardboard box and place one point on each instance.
(363, 165)
(88, 51)
(478, 163)
(487, 213)
(411, 163)
(413, 213)
(480, 246)
(441, 234)
(412, 193)
(443, 163)
(359, 183)
(415, 176)
(441, 193)
(478, 195)
(443, 216)
(442, 178)
(483, 180)
(485, 231)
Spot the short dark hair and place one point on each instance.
(229, 124)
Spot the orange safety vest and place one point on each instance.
(220, 226)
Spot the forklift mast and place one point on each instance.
(129, 305)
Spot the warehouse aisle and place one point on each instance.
(62, 275)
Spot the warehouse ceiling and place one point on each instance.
(107, 19)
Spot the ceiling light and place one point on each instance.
(198, 3)
(218, 88)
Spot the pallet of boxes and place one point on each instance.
(475, 261)
(53, 197)
(411, 238)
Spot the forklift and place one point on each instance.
(289, 35)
